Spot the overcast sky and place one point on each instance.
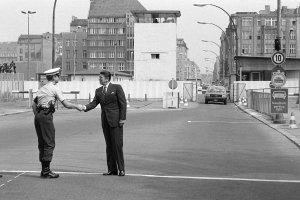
(13, 22)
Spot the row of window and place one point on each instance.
(270, 35)
(248, 21)
(3, 55)
(68, 54)
(106, 66)
(106, 20)
(95, 54)
(68, 65)
(268, 48)
(74, 42)
(106, 31)
(106, 43)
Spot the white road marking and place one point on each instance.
(20, 175)
(224, 122)
(9, 181)
(2, 185)
(173, 177)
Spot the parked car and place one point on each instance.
(216, 94)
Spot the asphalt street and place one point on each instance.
(211, 151)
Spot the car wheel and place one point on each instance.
(206, 102)
(225, 102)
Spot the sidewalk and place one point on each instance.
(292, 134)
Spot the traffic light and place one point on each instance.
(277, 44)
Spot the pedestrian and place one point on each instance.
(113, 115)
(43, 108)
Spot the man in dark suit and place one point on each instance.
(113, 115)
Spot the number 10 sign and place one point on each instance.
(278, 58)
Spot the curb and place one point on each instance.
(255, 115)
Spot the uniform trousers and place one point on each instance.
(114, 146)
(45, 131)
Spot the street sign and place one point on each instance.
(278, 58)
(279, 101)
(278, 79)
(172, 84)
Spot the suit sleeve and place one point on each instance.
(122, 102)
(92, 104)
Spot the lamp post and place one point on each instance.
(229, 48)
(53, 33)
(223, 71)
(74, 51)
(28, 13)
(232, 24)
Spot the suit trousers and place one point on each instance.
(45, 131)
(114, 146)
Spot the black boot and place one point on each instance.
(46, 172)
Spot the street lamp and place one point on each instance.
(219, 59)
(232, 24)
(53, 33)
(219, 28)
(74, 50)
(28, 13)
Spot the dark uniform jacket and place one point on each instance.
(113, 104)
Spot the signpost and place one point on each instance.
(278, 58)
(173, 86)
(279, 100)
(279, 96)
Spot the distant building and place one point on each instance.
(40, 54)
(78, 25)
(8, 52)
(73, 52)
(110, 34)
(256, 33)
(155, 39)
(181, 60)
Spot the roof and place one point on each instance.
(100, 8)
(30, 36)
(96, 71)
(79, 22)
(176, 12)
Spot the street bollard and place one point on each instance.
(128, 97)
(145, 97)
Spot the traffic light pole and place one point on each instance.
(278, 119)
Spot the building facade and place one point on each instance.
(155, 45)
(39, 55)
(181, 60)
(110, 34)
(256, 33)
(8, 52)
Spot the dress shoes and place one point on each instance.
(122, 173)
(49, 174)
(110, 173)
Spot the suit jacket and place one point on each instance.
(113, 104)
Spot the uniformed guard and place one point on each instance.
(43, 108)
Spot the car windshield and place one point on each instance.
(216, 89)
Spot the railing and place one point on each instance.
(260, 99)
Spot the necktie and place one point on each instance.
(104, 90)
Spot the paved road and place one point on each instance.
(209, 152)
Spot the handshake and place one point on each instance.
(80, 107)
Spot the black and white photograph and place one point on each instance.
(150, 100)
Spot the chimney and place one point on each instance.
(73, 18)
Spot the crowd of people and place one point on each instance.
(8, 68)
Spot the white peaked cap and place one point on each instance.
(52, 71)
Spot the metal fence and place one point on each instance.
(10, 82)
(260, 99)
